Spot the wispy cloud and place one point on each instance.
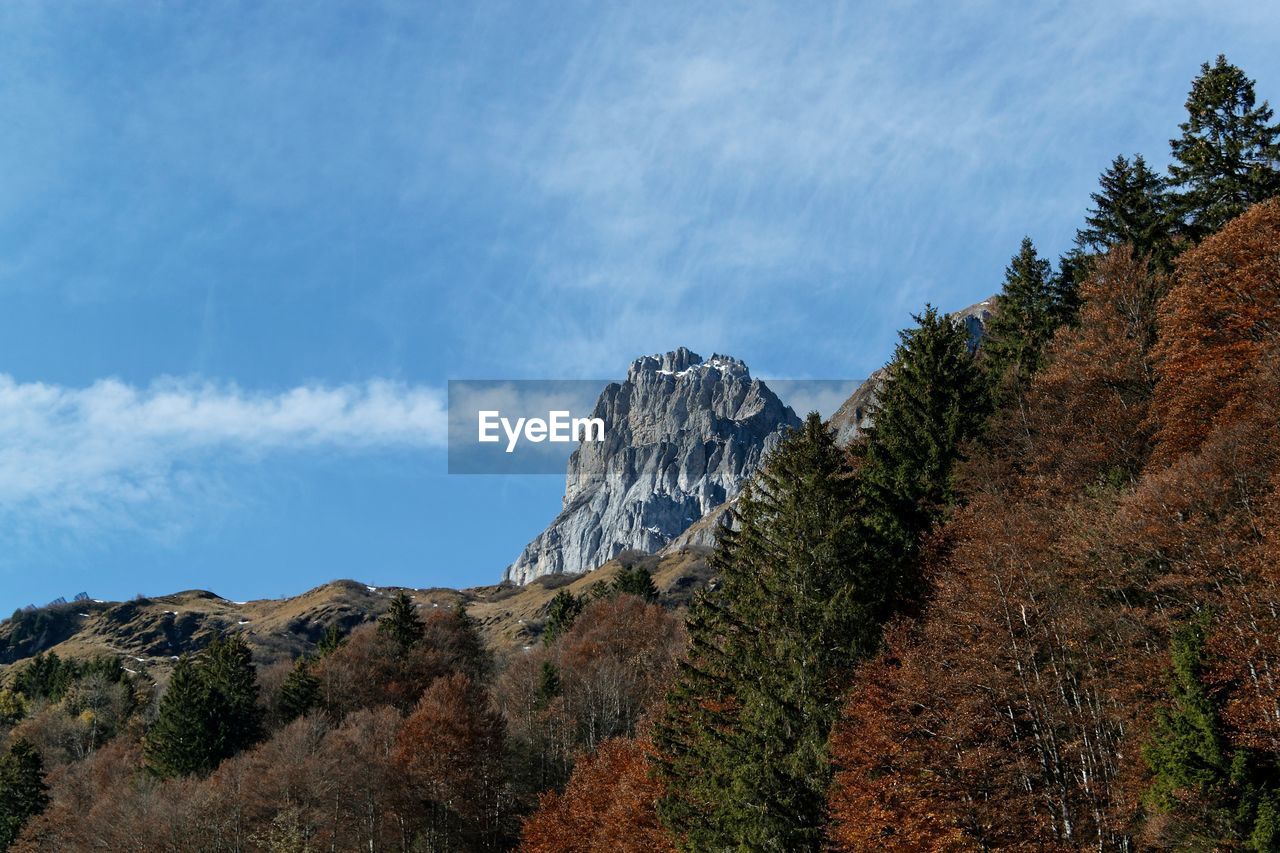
(696, 165)
(108, 453)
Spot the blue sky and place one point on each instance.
(244, 246)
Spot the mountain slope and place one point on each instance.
(148, 633)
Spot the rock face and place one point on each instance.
(854, 415)
(682, 436)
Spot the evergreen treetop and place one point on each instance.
(561, 614)
(1236, 791)
(1029, 309)
(1187, 747)
(226, 667)
(331, 641)
(209, 711)
(1130, 207)
(637, 582)
(401, 622)
(1228, 156)
(933, 400)
(299, 694)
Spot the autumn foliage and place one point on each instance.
(609, 804)
(1134, 486)
(1218, 326)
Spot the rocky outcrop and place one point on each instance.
(855, 414)
(682, 436)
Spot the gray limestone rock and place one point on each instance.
(682, 436)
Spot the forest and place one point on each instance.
(1036, 606)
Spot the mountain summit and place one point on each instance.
(682, 436)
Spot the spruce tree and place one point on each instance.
(299, 694)
(1228, 156)
(1028, 311)
(1131, 208)
(226, 668)
(637, 582)
(549, 685)
(45, 677)
(1187, 749)
(401, 622)
(476, 659)
(1074, 267)
(1235, 792)
(743, 740)
(331, 641)
(561, 613)
(183, 739)
(23, 793)
(933, 400)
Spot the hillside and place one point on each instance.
(150, 632)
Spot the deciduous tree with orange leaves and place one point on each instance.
(609, 804)
(1217, 326)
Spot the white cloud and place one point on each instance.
(107, 454)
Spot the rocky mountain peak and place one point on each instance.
(683, 361)
(682, 436)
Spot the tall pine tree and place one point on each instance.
(933, 400)
(1031, 306)
(226, 667)
(332, 640)
(299, 694)
(637, 582)
(1131, 208)
(1187, 748)
(183, 739)
(743, 742)
(23, 793)
(401, 622)
(562, 612)
(209, 711)
(1228, 156)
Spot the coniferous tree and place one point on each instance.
(1187, 749)
(1234, 792)
(1028, 311)
(401, 622)
(561, 613)
(932, 401)
(743, 739)
(637, 582)
(549, 685)
(226, 668)
(299, 694)
(1228, 156)
(476, 658)
(23, 793)
(45, 677)
(1074, 267)
(331, 641)
(1131, 208)
(182, 740)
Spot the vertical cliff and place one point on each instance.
(682, 436)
